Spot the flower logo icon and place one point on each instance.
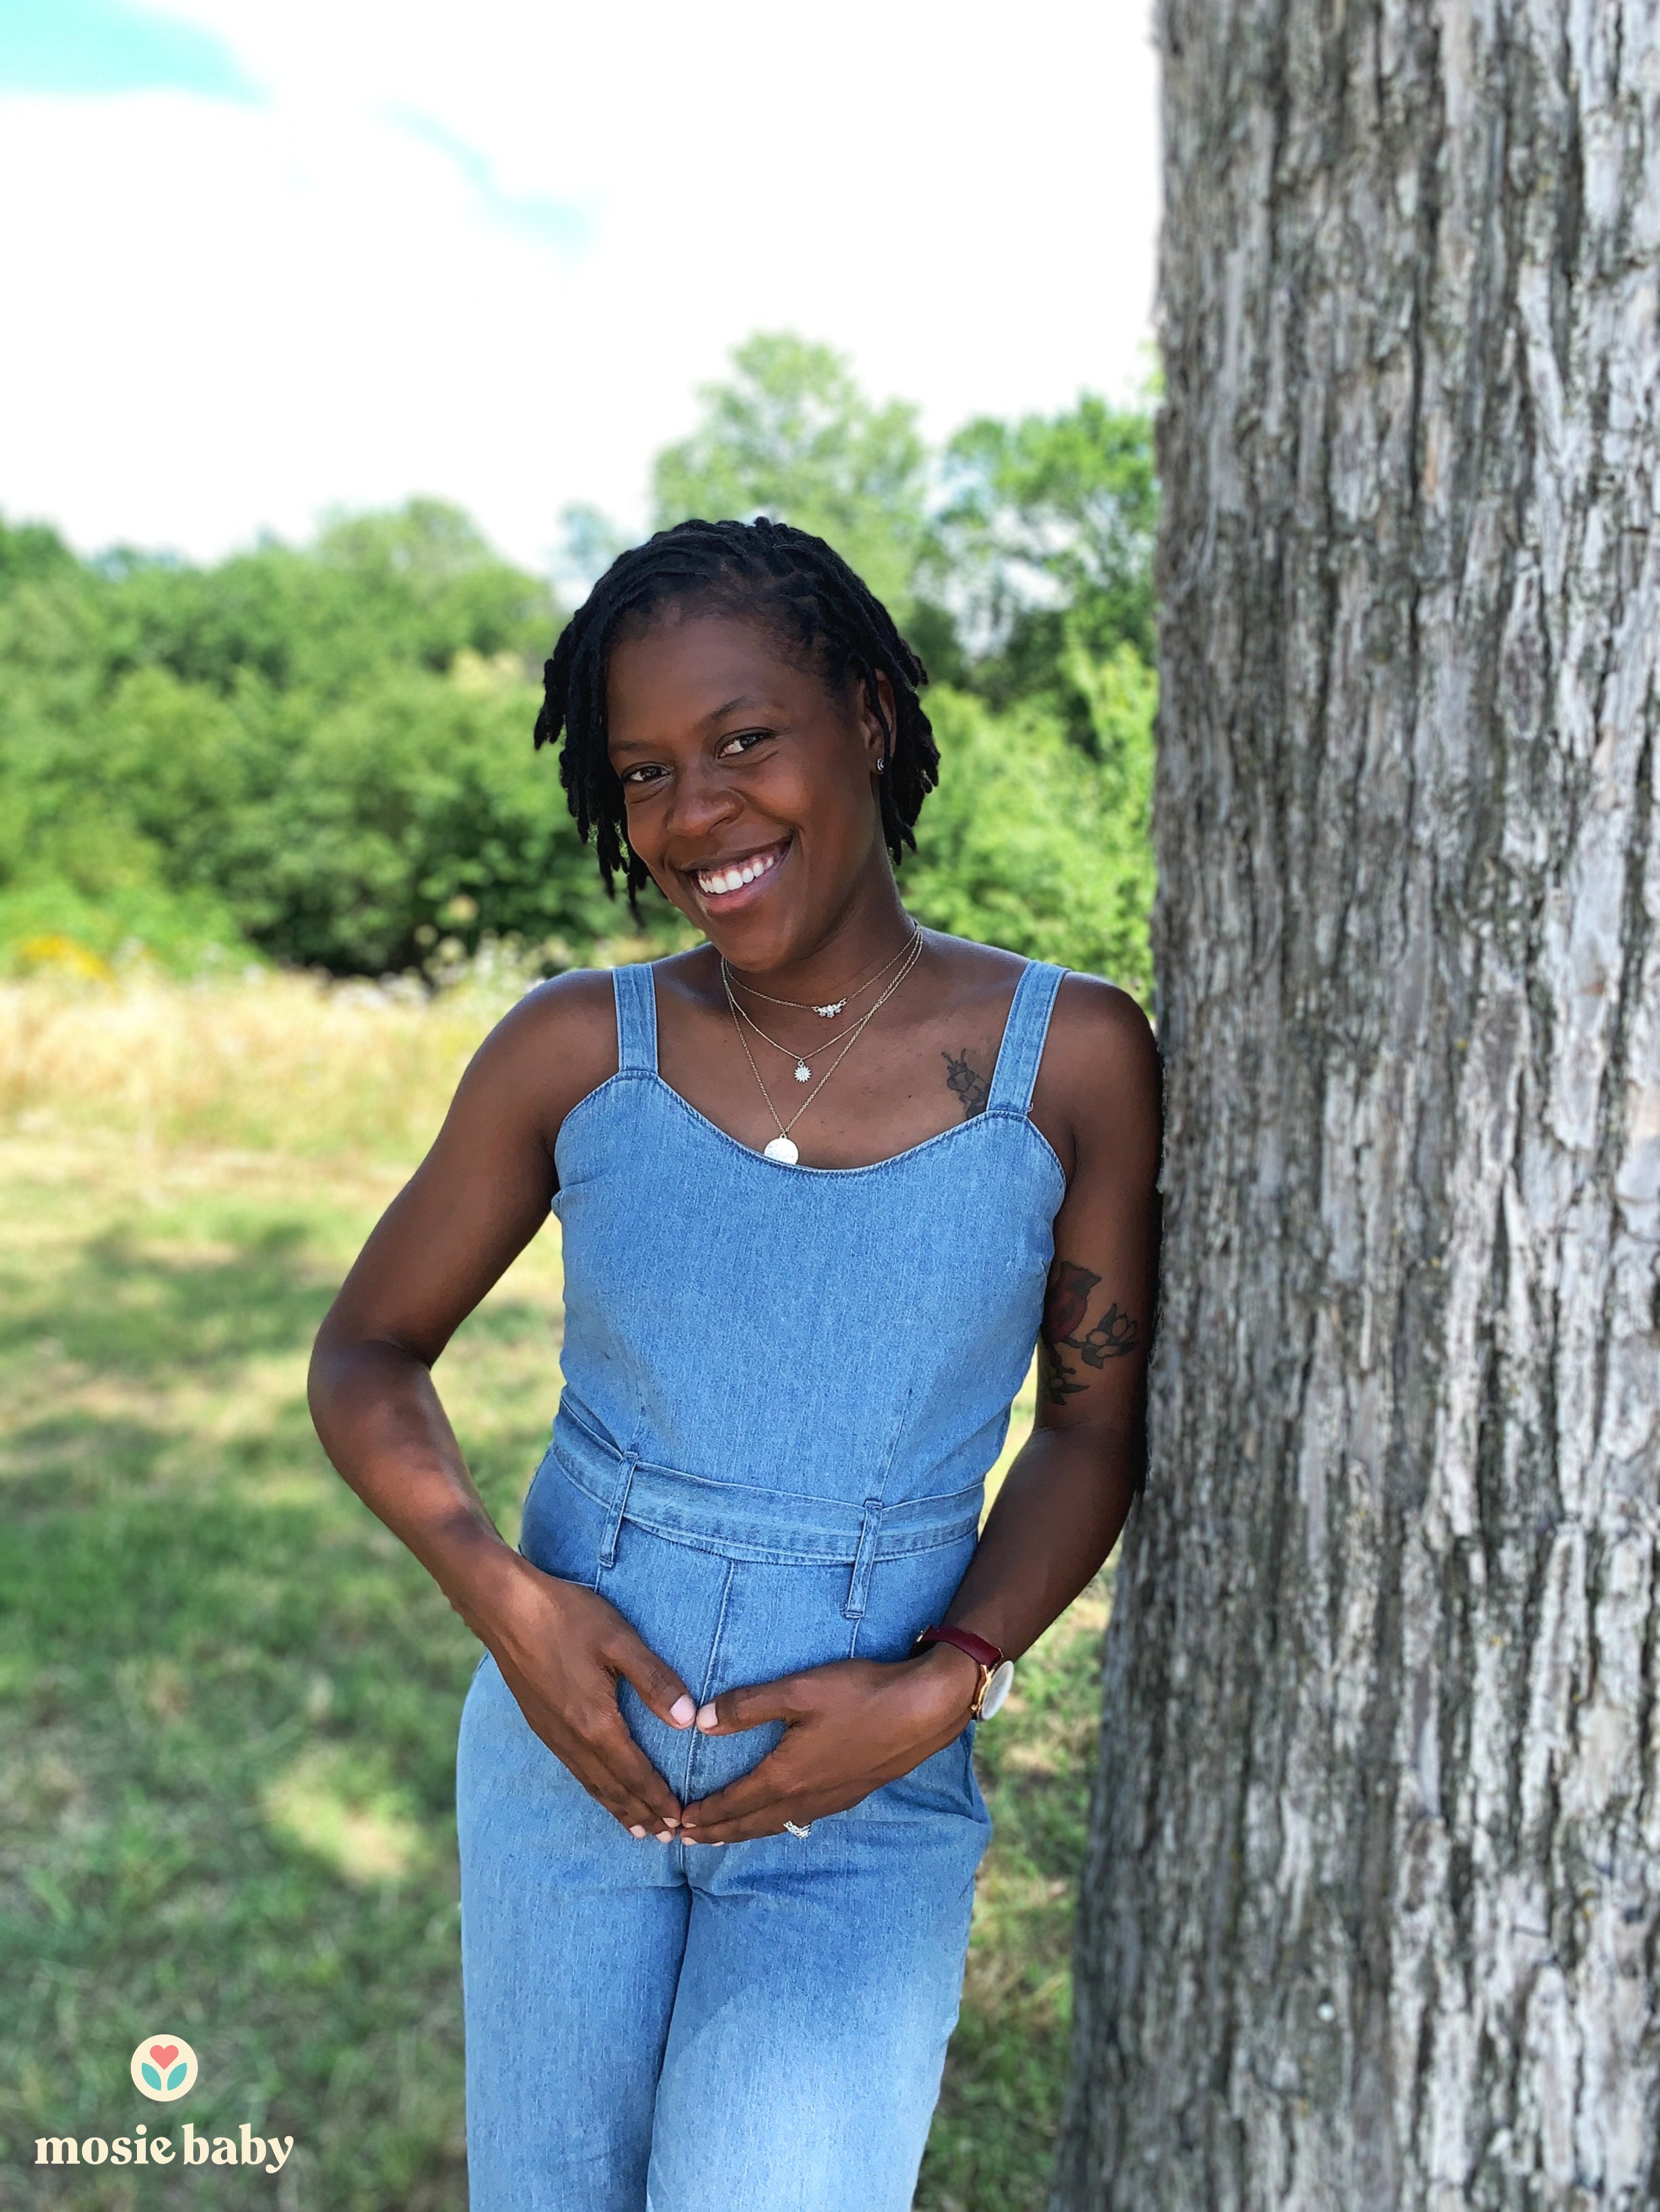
(163, 2069)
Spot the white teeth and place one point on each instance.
(712, 883)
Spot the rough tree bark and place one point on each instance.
(1372, 1909)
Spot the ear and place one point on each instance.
(879, 742)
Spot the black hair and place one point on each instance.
(803, 592)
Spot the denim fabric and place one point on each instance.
(783, 1388)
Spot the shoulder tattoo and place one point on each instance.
(963, 1078)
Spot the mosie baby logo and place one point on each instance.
(163, 2069)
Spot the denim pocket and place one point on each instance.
(942, 1787)
(561, 1528)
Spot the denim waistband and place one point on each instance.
(748, 1522)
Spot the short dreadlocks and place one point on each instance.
(801, 590)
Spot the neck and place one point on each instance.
(871, 927)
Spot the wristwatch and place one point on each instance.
(996, 1673)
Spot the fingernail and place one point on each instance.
(706, 1716)
(682, 1712)
(665, 1838)
(637, 1831)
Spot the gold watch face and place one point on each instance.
(997, 1688)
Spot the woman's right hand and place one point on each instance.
(474, 1204)
(561, 1649)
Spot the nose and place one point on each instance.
(703, 800)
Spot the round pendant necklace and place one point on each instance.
(783, 1147)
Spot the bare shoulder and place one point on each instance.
(547, 1052)
(1101, 1031)
(970, 974)
(1100, 1075)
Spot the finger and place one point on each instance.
(655, 1681)
(632, 1777)
(627, 1807)
(610, 1767)
(595, 1746)
(736, 1710)
(769, 1820)
(802, 1805)
(778, 1780)
(628, 1810)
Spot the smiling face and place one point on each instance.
(750, 784)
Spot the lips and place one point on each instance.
(724, 879)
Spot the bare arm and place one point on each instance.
(1065, 1499)
(477, 1200)
(854, 1725)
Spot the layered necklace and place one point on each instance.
(783, 1147)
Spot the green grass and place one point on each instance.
(989, 2149)
(229, 1701)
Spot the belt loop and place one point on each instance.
(619, 1506)
(863, 1560)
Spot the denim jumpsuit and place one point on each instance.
(784, 1386)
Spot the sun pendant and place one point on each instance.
(802, 1073)
(782, 1151)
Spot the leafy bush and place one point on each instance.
(323, 754)
(1028, 843)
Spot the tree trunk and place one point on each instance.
(1372, 1906)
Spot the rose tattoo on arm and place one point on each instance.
(1066, 1309)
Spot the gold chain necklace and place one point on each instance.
(781, 1148)
(803, 1071)
(825, 1013)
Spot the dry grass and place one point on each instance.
(266, 1063)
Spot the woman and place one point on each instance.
(718, 1823)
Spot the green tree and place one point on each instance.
(415, 587)
(792, 436)
(1029, 842)
(323, 751)
(1042, 550)
(415, 805)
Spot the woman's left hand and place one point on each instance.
(849, 1727)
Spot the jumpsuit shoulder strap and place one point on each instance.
(635, 987)
(1024, 1034)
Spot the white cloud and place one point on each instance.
(237, 315)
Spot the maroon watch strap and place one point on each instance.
(981, 1653)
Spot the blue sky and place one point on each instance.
(268, 257)
(94, 47)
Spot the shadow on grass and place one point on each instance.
(126, 1304)
(230, 1719)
